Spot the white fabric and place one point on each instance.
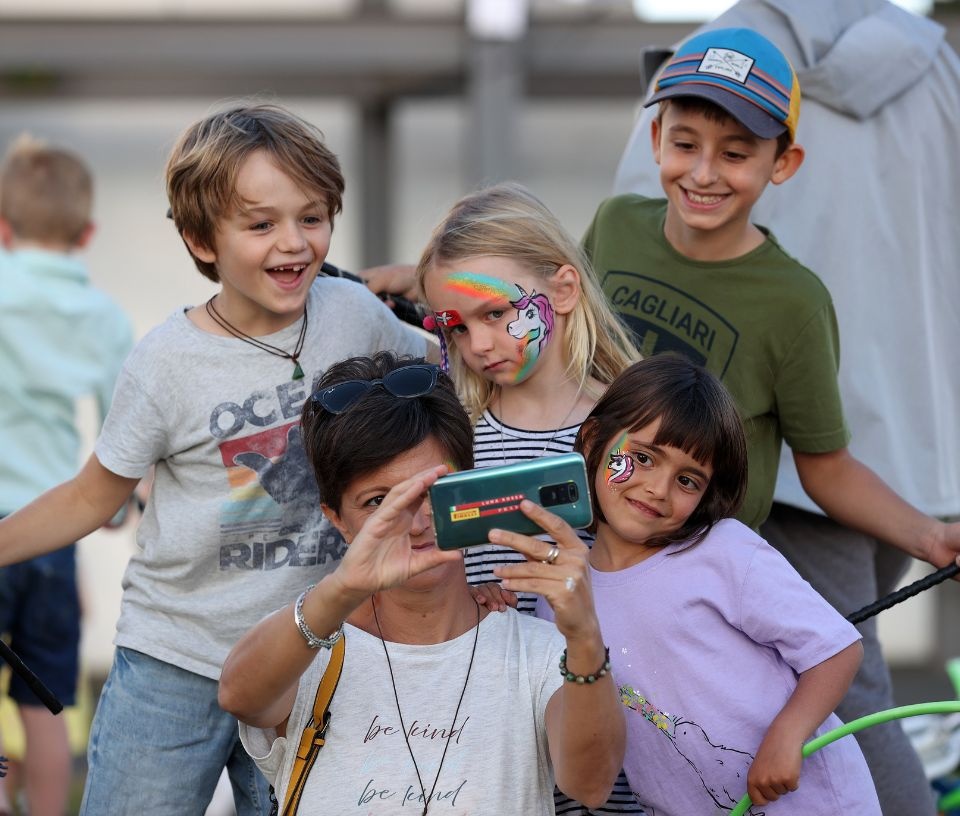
(872, 213)
(233, 529)
(497, 760)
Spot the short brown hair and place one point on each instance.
(713, 113)
(697, 415)
(203, 166)
(379, 427)
(46, 193)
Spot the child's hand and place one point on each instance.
(392, 279)
(775, 769)
(493, 596)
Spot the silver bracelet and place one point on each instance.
(313, 641)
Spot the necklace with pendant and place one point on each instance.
(293, 356)
(563, 422)
(396, 697)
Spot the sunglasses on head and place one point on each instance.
(406, 383)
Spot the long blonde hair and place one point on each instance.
(507, 220)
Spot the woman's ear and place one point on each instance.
(565, 289)
(334, 518)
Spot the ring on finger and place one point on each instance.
(570, 583)
(551, 555)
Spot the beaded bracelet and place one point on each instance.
(313, 641)
(570, 677)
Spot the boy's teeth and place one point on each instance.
(295, 268)
(704, 199)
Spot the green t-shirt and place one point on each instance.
(762, 322)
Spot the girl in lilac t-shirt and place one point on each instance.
(727, 661)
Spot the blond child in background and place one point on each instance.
(61, 339)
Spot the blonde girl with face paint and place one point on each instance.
(526, 330)
(529, 340)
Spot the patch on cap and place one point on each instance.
(727, 63)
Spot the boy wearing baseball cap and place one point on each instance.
(692, 273)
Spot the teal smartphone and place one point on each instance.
(468, 504)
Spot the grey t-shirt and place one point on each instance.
(233, 529)
(497, 761)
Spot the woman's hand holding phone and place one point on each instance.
(559, 572)
(381, 554)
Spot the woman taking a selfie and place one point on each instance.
(441, 706)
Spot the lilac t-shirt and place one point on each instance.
(706, 642)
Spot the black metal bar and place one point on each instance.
(37, 687)
(908, 591)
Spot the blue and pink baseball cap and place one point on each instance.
(740, 71)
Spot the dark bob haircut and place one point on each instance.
(697, 415)
(378, 427)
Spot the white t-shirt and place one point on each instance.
(233, 529)
(497, 761)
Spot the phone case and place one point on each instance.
(467, 505)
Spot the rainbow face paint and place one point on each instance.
(532, 327)
(619, 463)
(484, 287)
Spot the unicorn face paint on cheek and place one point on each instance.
(532, 327)
(619, 463)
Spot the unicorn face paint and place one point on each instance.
(533, 327)
(619, 463)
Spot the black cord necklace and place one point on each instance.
(221, 321)
(406, 737)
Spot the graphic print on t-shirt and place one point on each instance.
(272, 517)
(378, 781)
(722, 771)
(664, 318)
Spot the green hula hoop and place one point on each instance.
(946, 707)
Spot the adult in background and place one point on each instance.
(870, 212)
